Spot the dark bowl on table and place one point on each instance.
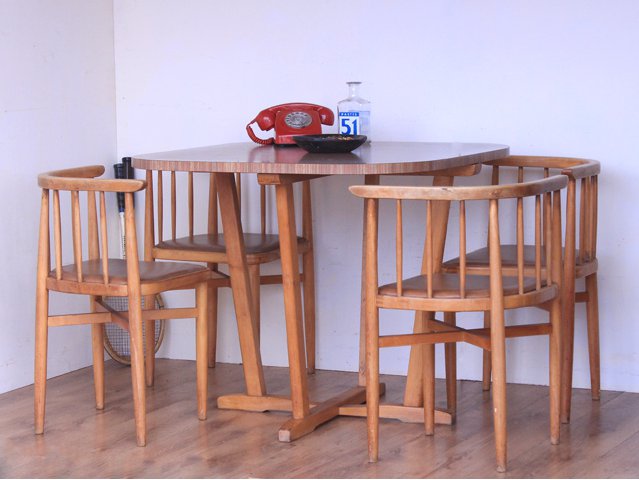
(329, 143)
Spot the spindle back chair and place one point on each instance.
(98, 276)
(580, 255)
(460, 291)
(210, 247)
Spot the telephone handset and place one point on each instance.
(290, 119)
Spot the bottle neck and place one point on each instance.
(353, 90)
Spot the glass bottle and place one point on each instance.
(354, 113)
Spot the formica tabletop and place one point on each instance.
(375, 158)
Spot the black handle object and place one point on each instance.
(127, 169)
(129, 172)
(119, 171)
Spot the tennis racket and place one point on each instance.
(116, 339)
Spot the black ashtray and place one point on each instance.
(329, 143)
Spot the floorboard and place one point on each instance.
(79, 441)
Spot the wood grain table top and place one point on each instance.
(375, 158)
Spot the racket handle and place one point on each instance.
(122, 236)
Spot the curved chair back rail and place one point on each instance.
(84, 179)
(515, 190)
(572, 167)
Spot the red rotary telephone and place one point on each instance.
(289, 120)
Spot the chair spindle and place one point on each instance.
(537, 242)
(92, 225)
(160, 206)
(583, 213)
(429, 247)
(593, 216)
(399, 257)
(149, 227)
(57, 234)
(547, 238)
(462, 249)
(173, 206)
(555, 257)
(212, 216)
(104, 239)
(495, 175)
(520, 241)
(263, 209)
(77, 233)
(545, 208)
(190, 202)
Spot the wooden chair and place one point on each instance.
(579, 262)
(100, 276)
(456, 292)
(210, 247)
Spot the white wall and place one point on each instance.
(545, 77)
(57, 109)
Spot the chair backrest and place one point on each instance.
(155, 207)
(74, 181)
(582, 179)
(492, 195)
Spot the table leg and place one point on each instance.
(305, 419)
(249, 346)
(292, 298)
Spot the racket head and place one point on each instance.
(117, 342)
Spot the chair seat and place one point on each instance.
(480, 259)
(446, 285)
(254, 243)
(150, 272)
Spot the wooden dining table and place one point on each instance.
(283, 167)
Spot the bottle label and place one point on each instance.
(354, 123)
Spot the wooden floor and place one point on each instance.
(602, 440)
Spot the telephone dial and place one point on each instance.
(289, 120)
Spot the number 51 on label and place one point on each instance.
(349, 123)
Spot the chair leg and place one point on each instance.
(486, 366)
(450, 350)
(555, 370)
(308, 263)
(498, 359)
(41, 340)
(592, 314)
(149, 343)
(201, 341)
(137, 367)
(428, 372)
(372, 385)
(254, 279)
(212, 327)
(97, 341)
